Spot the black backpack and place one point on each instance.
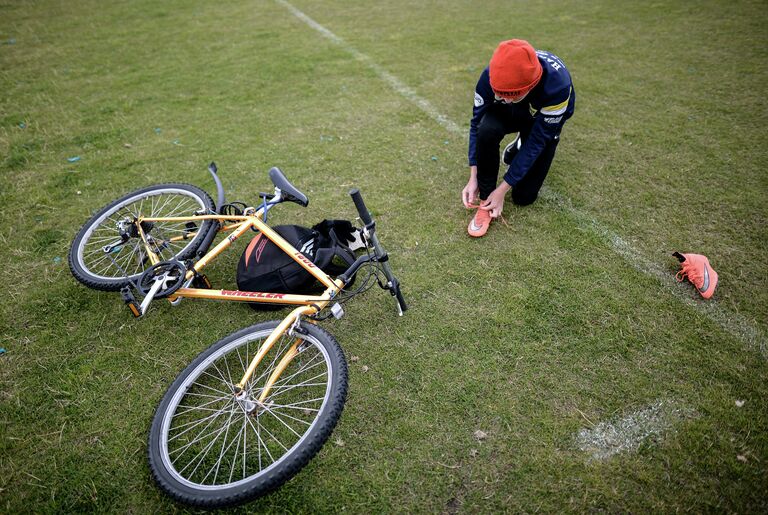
(264, 267)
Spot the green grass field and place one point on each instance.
(560, 327)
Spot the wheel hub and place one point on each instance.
(249, 405)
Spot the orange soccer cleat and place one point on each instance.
(480, 223)
(696, 268)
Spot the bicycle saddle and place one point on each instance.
(289, 191)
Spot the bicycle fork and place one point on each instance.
(289, 325)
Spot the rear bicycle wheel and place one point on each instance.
(108, 253)
(210, 449)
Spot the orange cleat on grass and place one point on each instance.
(480, 223)
(696, 268)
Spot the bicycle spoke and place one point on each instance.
(214, 389)
(268, 410)
(204, 395)
(229, 374)
(290, 388)
(204, 452)
(221, 454)
(218, 378)
(296, 405)
(192, 425)
(274, 413)
(306, 367)
(203, 435)
(244, 430)
(236, 454)
(261, 442)
(190, 409)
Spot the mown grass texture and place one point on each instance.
(531, 334)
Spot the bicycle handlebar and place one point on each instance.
(393, 285)
(357, 198)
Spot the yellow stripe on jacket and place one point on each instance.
(557, 109)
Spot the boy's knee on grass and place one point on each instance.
(524, 199)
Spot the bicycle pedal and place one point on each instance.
(130, 301)
(201, 281)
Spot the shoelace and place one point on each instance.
(504, 221)
(688, 272)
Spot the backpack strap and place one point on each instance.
(343, 228)
(342, 232)
(331, 242)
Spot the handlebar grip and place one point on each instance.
(357, 198)
(400, 299)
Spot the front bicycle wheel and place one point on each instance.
(108, 252)
(211, 448)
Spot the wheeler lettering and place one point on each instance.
(252, 294)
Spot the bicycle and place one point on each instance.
(253, 409)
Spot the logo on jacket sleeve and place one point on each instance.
(478, 100)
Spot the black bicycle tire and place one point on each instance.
(297, 459)
(80, 272)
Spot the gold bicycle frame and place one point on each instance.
(307, 304)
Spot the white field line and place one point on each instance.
(626, 434)
(390, 79)
(733, 323)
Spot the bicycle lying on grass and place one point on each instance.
(249, 412)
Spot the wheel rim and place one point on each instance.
(128, 259)
(207, 441)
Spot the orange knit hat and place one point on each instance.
(515, 68)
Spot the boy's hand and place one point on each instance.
(470, 192)
(495, 201)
